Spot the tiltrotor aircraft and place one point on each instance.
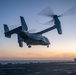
(34, 38)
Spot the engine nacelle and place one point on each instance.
(59, 29)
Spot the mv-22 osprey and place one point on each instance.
(33, 38)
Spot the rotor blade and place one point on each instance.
(46, 12)
(71, 11)
(49, 22)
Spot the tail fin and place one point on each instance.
(23, 23)
(6, 29)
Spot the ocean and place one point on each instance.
(32, 61)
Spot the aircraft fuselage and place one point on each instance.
(33, 39)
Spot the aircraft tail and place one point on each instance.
(23, 23)
(23, 26)
(6, 30)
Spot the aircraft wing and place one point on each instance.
(46, 30)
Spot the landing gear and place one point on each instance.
(29, 46)
(47, 46)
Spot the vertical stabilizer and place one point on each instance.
(6, 30)
(23, 23)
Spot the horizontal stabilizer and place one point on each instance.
(8, 32)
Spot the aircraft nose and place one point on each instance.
(48, 43)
